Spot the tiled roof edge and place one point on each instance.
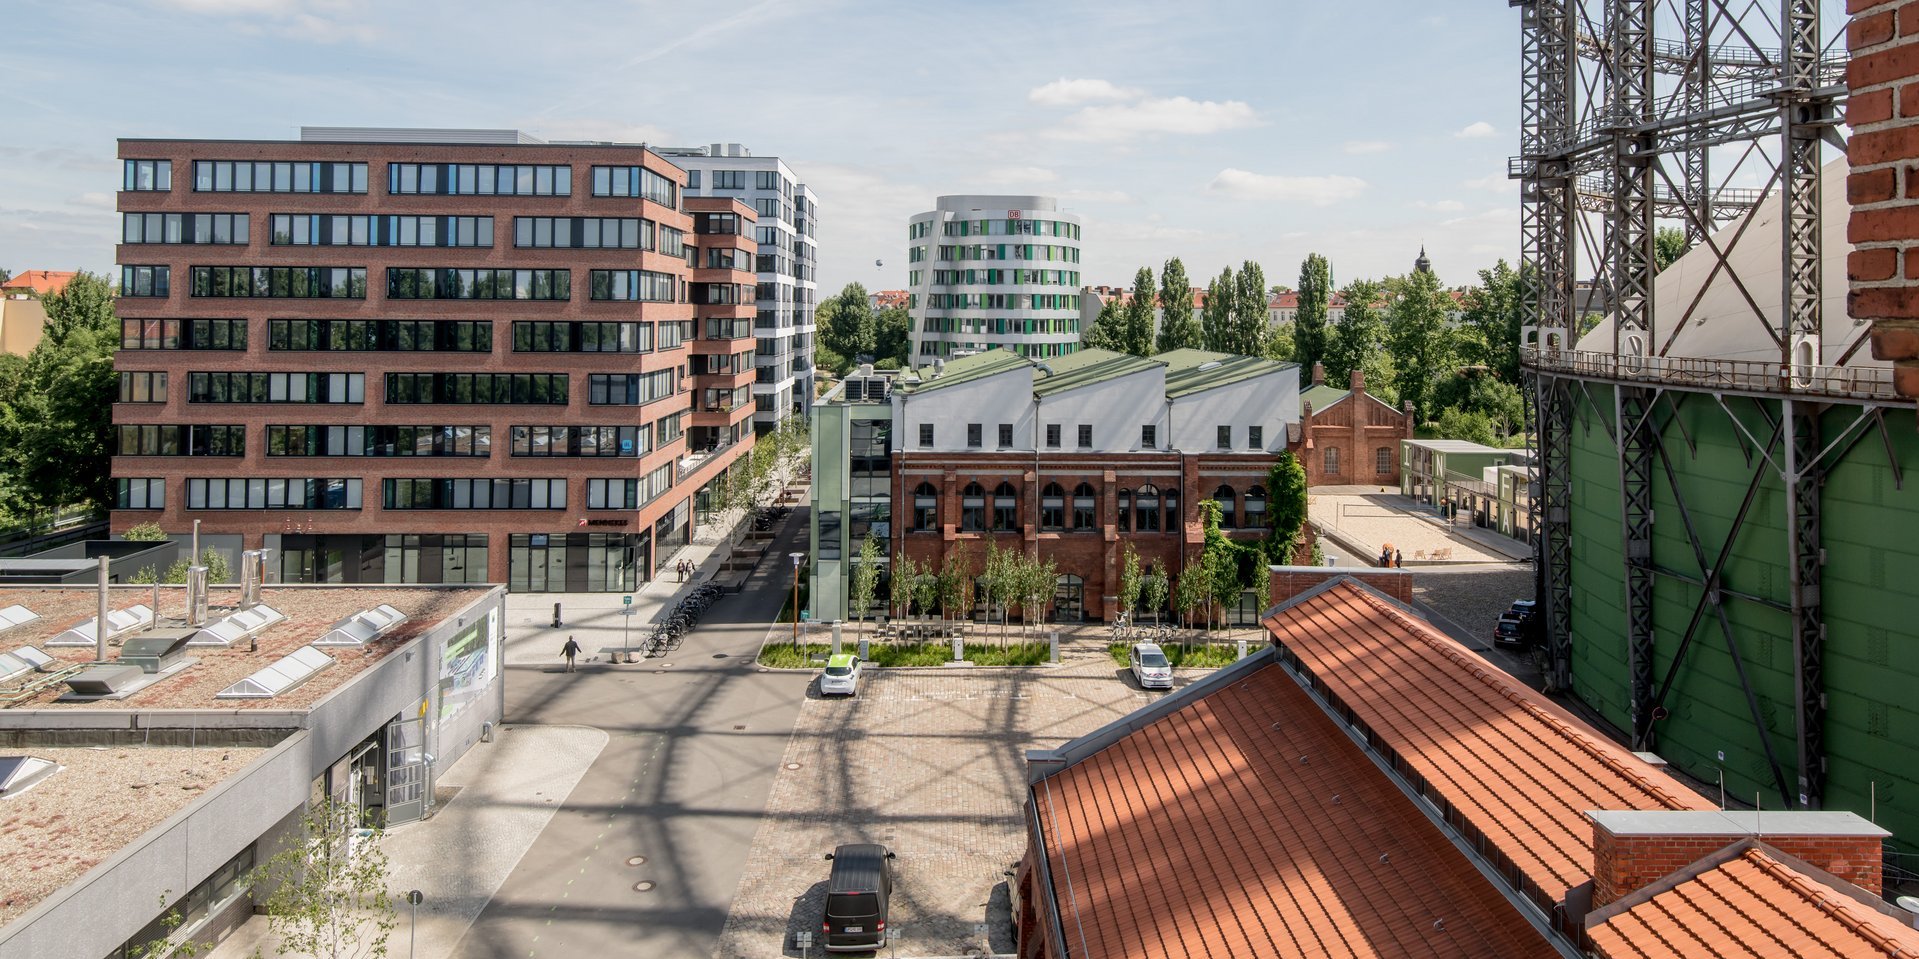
(1044, 863)
(1669, 882)
(1821, 888)
(1522, 697)
(1073, 751)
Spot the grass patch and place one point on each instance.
(781, 655)
(1206, 656)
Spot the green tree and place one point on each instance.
(866, 579)
(56, 424)
(329, 883)
(1177, 327)
(1309, 324)
(1279, 344)
(1285, 507)
(1421, 340)
(144, 533)
(845, 322)
(1153, 587)
(1479, 391)
(892, 335)
(1130, 582)
(1136, 323)
(1192, 592)
(955, 583)
(1249, 311)
(999, 578)
(899, 587)
(1216, 320)
(1668, 244)
(1357, 337)
(1494, 312)
(1104, 333)
(1469, 425)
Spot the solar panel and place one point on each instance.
(284, 674)
(16, 615)
(362, 627)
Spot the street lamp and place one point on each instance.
(413, 899)
(797, 558)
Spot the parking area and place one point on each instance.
(930, 762)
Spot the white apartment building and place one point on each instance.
(787, 264)
(994, 271)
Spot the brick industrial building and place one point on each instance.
(429, 355)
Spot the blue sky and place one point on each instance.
(1214, 131)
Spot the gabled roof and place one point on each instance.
(1192, 371)
(964, 369)
(1756, 904)
(1519, 769)
(1323, 396)
(1242, 821)
(1085, 368)
(41, 282)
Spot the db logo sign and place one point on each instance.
(1012, 214)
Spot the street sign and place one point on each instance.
(626, 600)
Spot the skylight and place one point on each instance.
(119, 623)
(16, 615)
(362, 627)
(288, 672)
(241, 625)
(20, 773)
(23, 660)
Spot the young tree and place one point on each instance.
(1668, 244)
(1153, 587)
(1039, 581)
(999, 578)
(1104, 333)
(1285, 507)
(926, 587)
(1136, 325)
(906, 574)
(892, 335)
(1358, 338)
(56, 427)
(1177, 327)
(845, 322)
(955, 583)
(1130, 582)
(1422, 341)
(1216, 320)
(866, 578)
(1309, 324)
(1192, 592)
(1249, 310)
(329, 885)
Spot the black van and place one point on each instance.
(857, 894)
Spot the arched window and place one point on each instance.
(1069, 599)
(1084, 500)
(1332, 461)
(1005, 508)
(1123, 516)
(1146, 509)
(1256, 508)
(1225, 497)
(973, 508)
(1052, 507)
(926, 508)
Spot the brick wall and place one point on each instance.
(1357, 427)
(1623, 864)
(1883, 188)
(1290, 581)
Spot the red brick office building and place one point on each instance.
(429, 355)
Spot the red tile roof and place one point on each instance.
(1759, 904)
(1518, 768)
(42, 282)
(1247, 823)
(887, 299)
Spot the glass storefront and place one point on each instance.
(399, 558)
(671, 532)
(578, 562)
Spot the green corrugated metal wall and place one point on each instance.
(1871, 608)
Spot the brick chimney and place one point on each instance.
(1357, 383)
(1319, 373)
(1634, 849)
(1883, 110)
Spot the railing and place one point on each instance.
(1716, 374)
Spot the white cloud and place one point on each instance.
(1491, 182)
(1176, 116)
(1363, 147)
(1440, 206)
(1313, 190)
(1071, 93)
(1019, 175)
(1476, 130)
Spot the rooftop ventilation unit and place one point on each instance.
(283, 675)
(26, 659)
(16, 615)
(21, 773)
(119, 623)
(362, 627)
(244, 624)
(158, 650)
(112, 679)
(1210, 365)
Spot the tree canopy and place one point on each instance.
(1177, 327)
(56, 406)
(1309, 321)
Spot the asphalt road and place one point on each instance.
(680, 787)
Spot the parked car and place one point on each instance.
(1510, 630)
(857, 895)
(841, 676)
(1525, 609)
(1150, 666)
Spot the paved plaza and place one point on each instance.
(1359, 520)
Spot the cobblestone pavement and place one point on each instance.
(1468, 601)
(1372, 518)
(931, 763)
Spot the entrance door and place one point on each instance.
(405, 771)
(1069, 599)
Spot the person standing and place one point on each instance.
(1398, 560)
(570, 650)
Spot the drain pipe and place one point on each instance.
(100, 621)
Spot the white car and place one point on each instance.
(1150, 667)
(841, 676)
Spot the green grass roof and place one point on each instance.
(1192, 371)
(1323, 396)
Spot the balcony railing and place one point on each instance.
(1860, 382)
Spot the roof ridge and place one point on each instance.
(1822, 898)
(1508, 689)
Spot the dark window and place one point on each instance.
(481, 179)
(1256, 508)
(1005, 507)
(1255, 437)
(581, 440)
(1225, 497)
(636, 285)
(926, 507)
(291, 282)
(1225, 437)
(1085, 507)
(399, 494)
(973, 508)
(417, 283)
(1052, 506)
(1383, 459)
(1123, 514)
(973, 437)
(1149, 437)
(145, 280)
(1052, 436)
(1005, 435)
(926, 436)
(179, 440)
(447, 336)
(546, 389)
(257, 493)
(1146, 509)
(1085, 436)
(228, 387)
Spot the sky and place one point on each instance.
(1218, 131)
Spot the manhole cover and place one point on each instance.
(644, 885)
(792, 765)
(736, 728)
(719, 655)
(636, 860)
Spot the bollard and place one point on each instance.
(959, 649)
(864, 656)
(1242, 648)
(1055, 645)
(556, 615)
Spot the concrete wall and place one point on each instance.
(1270, 401)
(989, 401)
(115, 899)
(1114, 408)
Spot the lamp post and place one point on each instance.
(413, 899)
(797, 557)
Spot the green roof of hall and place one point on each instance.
(964, 369)
(1193, 371)
(1323, 396)
(1085, 368)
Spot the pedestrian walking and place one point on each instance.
(1398, 560)
(570, 650)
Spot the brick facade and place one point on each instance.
(1883, 110)
(1623, 864)
(1357, 428)
(1096, 554)
(1290, 581)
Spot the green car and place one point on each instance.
(842, 675)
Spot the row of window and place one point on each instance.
(635, 181)
(179, 440)
(640, 285)
(161, 334)
(457, 336)
(479, 179)
(547, 389)
(584, 232)
(1009, 227)
(444, 179)
(226, 228)
(1382, 460)
(244, 387)
(995, 324)
(406, 283)
(473, 494)
(259, 176)
(998, 301)
(1006, 277)
(1145, 510)
(298, 282)
(629, 389)
(736, 180)
(544, 389)
(314, 229)
(1001, 251)
(379, 441)
(454, 336)
(1148, 436)
(412, 283)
